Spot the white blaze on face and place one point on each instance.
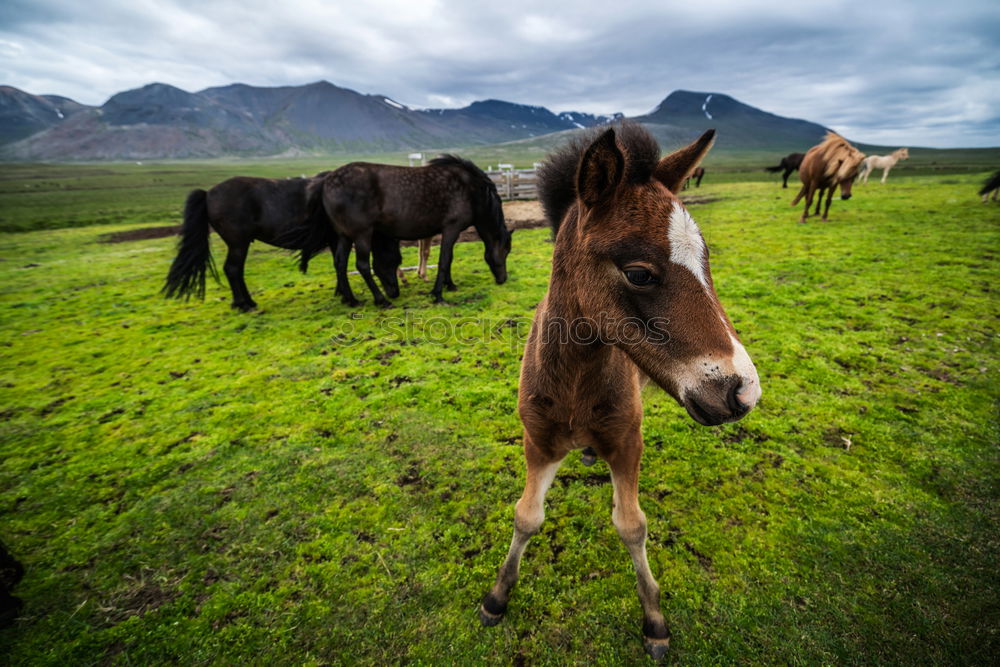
(687, 248)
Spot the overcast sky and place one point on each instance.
(889, 72)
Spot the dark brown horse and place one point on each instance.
(630, 299)
(697, 175)
(444, 197)
(832, 163)
(286, 213)
(789, 163)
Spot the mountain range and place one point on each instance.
(161, 121)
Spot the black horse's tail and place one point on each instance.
(194, 255)
(774, 169)
(317, 234)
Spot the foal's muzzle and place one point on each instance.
(718, 402)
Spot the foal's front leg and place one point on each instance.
(630, 522)
(528, 516)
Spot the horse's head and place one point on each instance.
(847, 168)
(496, 254)
(641, 273)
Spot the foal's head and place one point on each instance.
(635, 264)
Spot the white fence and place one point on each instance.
(515, 183)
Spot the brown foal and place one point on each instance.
(630, 298)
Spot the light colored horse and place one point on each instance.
(883, 162)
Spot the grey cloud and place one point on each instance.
(888, 72)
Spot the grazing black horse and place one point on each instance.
(991, 184)
(789, 163)
(697, 175)
(444, 197)
(275, 211)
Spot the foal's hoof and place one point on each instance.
(656, 648)
(589, 457)
(491, 611)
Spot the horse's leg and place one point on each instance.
(448, 238)
(809, 199)
(341, 258)
(885, 173)
(630, 522)
(338, 290)
(425, 253)
(784, 179)
(362, 251)
(829, 198)
(528, 516)
(235, 260)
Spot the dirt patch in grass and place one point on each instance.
(142, 234)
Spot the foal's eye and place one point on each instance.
(639, 277)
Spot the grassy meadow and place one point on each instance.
(313, 484)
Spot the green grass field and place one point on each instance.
(310, 484)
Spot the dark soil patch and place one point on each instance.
(140, 234)
(695, 200)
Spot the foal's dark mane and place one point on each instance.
(557, 177)
(489, 202)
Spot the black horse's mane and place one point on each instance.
(492, 207)
(557, 176)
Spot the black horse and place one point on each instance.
(444, 197)
(697, 175)
(991, 184)
(287, 213)
(789, 163)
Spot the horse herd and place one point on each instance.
(831, 164)
(371, 207)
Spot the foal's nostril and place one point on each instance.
(737, 407)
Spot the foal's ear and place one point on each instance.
(600, 170)
(675, 168)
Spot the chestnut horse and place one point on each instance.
(630, 298)
(883, 162)
(825, 166)
(789, 163)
